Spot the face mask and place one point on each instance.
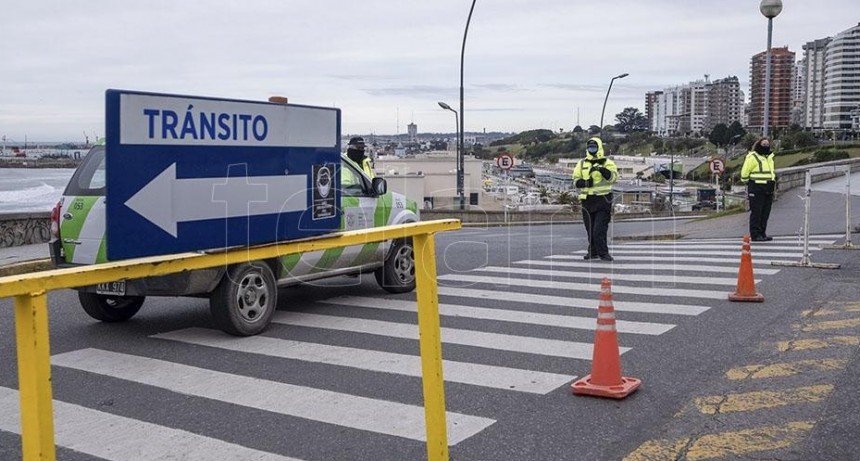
(592, 150)
(764, 150)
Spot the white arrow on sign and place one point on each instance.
(166, 200)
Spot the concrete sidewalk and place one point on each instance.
(24, 258)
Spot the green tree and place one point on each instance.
(593, 129)
(577, 129)
(719, 136)
(630, 119)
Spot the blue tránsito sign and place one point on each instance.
(191, 173)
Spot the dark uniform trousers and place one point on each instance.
(761, 200)
(596, 214)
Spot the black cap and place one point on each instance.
(356, 143)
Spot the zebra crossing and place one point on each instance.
(522, 329)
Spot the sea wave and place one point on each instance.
(38, 198)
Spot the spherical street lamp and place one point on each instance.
(770, 9)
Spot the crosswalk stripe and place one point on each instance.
(648, 267)
(533, 318)
(592, 287)
(664, 279)
(512, 343)
(380, 416)
(568, 302)
(117, 438)
(735, 260)
(693, 251)
(386, 362)
(755, 246)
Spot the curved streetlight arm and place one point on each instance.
(607, 97)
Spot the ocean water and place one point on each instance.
(32, 189)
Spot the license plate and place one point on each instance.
(111, 288)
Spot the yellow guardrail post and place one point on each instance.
(430, 340)
(34, 377)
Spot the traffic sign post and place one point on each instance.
(717, 167)
(505, 161)
(189, 173)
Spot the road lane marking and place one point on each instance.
(483, 313)
(757, 400)
(826, 312)
(735, 443)
(595, 275)
(592, 287)
(117, 438)
(693, 252)
(680, 268)
(734, 261)
(829, 325)
(512, 343)
(724, 243)
(385, 362)
(566, 302)
(779, 370)
(809, 344)
(345, 410)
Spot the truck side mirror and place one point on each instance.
(379, 186)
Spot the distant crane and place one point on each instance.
(87, 140)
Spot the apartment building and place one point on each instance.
(841, 79)
(813, 84)
(782, 77)
(725, 102)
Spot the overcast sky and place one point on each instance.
(529, 63)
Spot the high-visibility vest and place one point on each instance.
(368, 169)
(758, 168)
(585, 169)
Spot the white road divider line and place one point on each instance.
(734, 260)
(598, 276)
(475, 374)
(677, 268)
(693, 252)
(569, 302)
(721, 243)
(663, 292)
(345, 410)
(502, 342)
(503, 315)
(117, 438)
(756, 246)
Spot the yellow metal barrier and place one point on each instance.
(31, 319)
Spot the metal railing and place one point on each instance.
(31, 319)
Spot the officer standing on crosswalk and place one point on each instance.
(759, 174)
(594, 176)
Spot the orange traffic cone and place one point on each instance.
(745, 291)
(605, 379)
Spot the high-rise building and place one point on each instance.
(841, 79)
(725, 103)
(651, 98)
(412, 130)
(781, 78)
(813, 84)
(798, 94)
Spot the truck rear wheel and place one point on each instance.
(245, 299)
(108, 308)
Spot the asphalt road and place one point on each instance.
(335, 378)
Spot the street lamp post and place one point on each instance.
(461, 154)
(770, 9)
(607, 97)
(459, 149)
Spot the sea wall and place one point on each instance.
(24, 228)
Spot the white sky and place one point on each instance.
(529, 63)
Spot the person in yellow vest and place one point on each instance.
(759, 174)
(594, 176)
(355, 150)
